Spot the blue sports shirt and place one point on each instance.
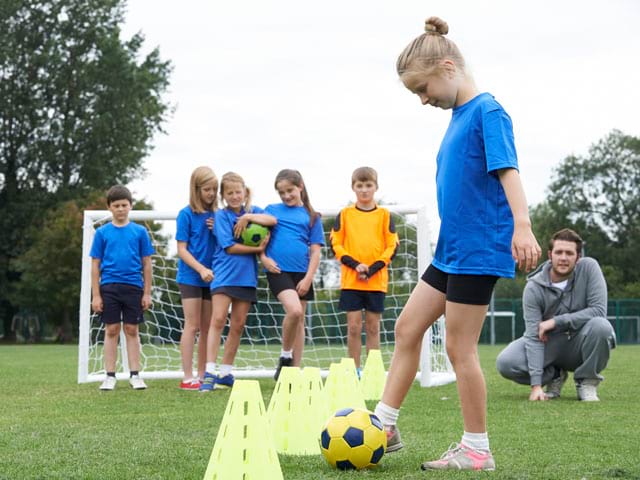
(476, 222)
(120, 250)
(192, 228)
(292, 236)
(232, 269)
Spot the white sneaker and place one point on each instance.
(588, 390)
(137, 383)
(108, 384)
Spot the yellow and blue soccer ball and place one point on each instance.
(253, 235)
(353, 438)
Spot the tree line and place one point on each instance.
(80, 105)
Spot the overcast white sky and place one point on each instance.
(263, 85)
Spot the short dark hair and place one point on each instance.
(567, 235)
(118, 192)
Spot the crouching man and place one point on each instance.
(566, 326)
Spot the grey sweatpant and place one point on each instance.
(585, 353)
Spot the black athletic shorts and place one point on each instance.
(121, 302)
(467, 289)
(352, 300)
(192, 291)
(246, 294)
(287, 281)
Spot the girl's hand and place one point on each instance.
(265, 242)
(270, 264)
(303, 287)
(240, 225)
(206, 275)
(209, 222)
(524, 248)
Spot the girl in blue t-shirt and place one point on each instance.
(235, 276)
(485, 225)
(195, 250)
(291, 259)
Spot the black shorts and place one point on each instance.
(246, 294)
(287, 281)
(467, 289)
(353, 300)
(121, 302)
(191, 291)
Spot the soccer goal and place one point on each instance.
(325, 324)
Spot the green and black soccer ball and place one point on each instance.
(253, 235)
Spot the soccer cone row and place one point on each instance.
(240, 451)
(297, 411)
(373, 376)
(250, 437)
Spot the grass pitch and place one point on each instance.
(52, 428)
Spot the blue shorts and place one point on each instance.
(356, 300)
(121, 302)
(466, 289)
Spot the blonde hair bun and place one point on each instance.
(435, 25)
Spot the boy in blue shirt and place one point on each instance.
(121, 283)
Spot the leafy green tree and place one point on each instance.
(601, 189)
(51, 267)
(598, 196)
(78, 111)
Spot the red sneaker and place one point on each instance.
(190, 385)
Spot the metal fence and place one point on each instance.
(507, 323)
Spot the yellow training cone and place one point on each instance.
(342, 388)
(293, 427)
(373, 376)
(316, 398)
(243, 448)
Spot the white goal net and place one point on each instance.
(257, 356)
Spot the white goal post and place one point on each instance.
(325, 324)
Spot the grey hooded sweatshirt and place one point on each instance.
(584, 298)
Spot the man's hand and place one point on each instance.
(545, 327)
(537, 394)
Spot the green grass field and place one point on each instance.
(53, 428)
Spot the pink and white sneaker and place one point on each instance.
(394, 442)
(461, 457)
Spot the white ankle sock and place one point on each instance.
(211, 367)
(387, 415)
(477, 441)
(286, 353)
(225, 370)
